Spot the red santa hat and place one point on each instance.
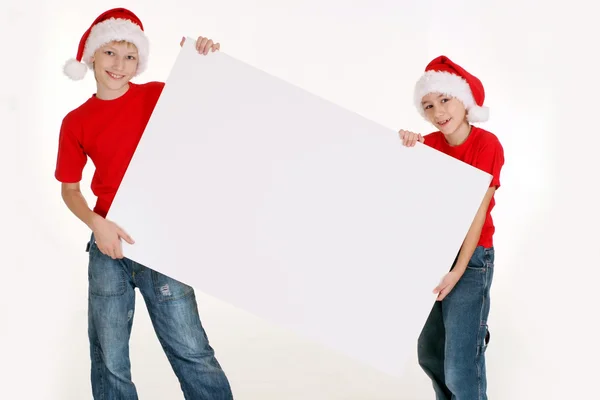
(113, 25)
(446, 77)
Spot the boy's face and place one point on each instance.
(446, 113)
(115, 64)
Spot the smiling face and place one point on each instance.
(446, 113)
(114, 65)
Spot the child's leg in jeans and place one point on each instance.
(174, 314)
(431, 348)
(110, 317)
(465, 311)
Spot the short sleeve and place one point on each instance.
(71, 158)
(491, 160)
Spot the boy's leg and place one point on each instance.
(111, 303)
(174, 314)
(431, 347)
(465, 312)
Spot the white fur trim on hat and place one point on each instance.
(451, 85)
(115, 30)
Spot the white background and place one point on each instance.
(537, 62)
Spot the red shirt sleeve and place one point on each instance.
(71, 158)
(491, 160)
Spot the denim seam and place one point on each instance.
(480, 269)
(482, 324)
(99, 370)
(121, 292)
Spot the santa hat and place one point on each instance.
(113, 25)
(446, 77)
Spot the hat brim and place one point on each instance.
(116, 29)
(452, 85)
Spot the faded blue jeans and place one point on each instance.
(452, 344)
(173, 310)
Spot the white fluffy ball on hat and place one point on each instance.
(478, 114)
(75, 69)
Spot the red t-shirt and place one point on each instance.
(482, 150)
(108, 132)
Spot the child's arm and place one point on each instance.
(472, 238)
(73, 198)
(467, 249)
(107, 234)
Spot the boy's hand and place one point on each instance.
(108, 237)
(204, 45)
(409, 139)
(447, 284)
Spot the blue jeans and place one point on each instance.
(452, 344)
(174, 314)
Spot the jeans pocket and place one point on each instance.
(106, 277)
(479, 260)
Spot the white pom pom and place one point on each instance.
(75, 69)
(478, 114)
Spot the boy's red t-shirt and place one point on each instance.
(108, 132)
(482, 150)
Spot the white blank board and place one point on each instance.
(292, 208)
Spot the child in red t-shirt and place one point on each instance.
(452, 345)
(106, 129)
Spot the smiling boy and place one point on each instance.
(453, 342)
(106, 128)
